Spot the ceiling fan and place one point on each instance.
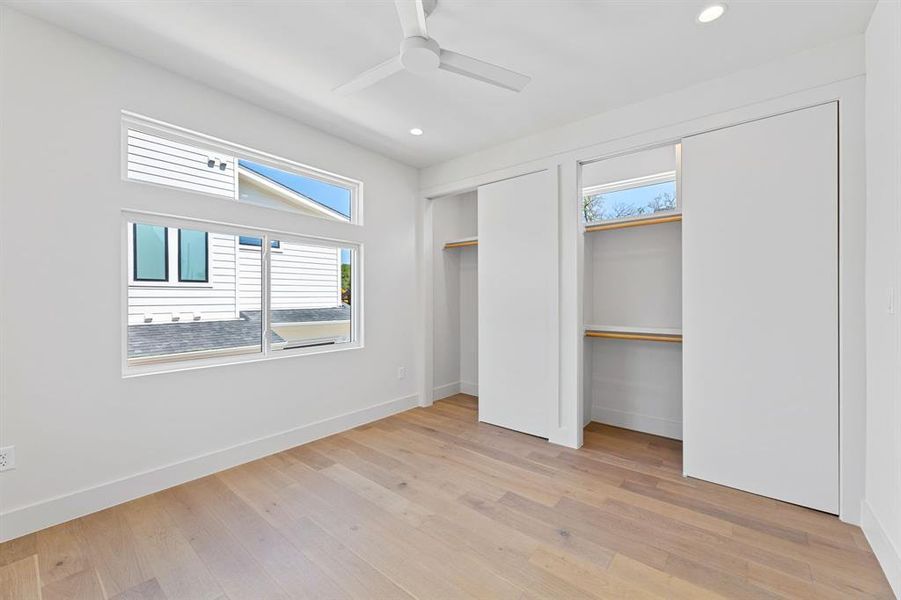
(421, 54)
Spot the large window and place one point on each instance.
(266, 296)
(629, 199)
(202, 292)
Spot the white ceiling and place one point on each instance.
(584, 57)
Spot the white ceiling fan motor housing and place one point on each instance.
(420, 55)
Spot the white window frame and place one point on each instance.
(131, 120)
(174, 221)
(631, 184)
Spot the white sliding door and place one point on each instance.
(760, 306)
(518, 306)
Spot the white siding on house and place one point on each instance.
(159, 160)
(213, 301)
(302, 277)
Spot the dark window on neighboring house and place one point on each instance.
(193, 259)
(255, 241)
(151, 253)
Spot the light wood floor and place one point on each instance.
(432, 504)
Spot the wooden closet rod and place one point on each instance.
(635, 223)
(461, 244)
(644, 337)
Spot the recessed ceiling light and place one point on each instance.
(711, 13)
(416, 131)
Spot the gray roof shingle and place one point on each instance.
(154, 339)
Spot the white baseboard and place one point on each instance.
(457, 387)
(34, 517)
(888, 555)
(645, 423)
(443, 391)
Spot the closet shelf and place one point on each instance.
(633, 223)
(646, 334)
(461, 243)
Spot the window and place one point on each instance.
(151, 253)
(193, 262)
(173, 157)
(631, 198)
(255, 241)
(155, 265)
(202, 292)
(297, 300)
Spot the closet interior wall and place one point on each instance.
(633, 282)
(455, 352)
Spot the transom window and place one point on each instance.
(169, 156)
(629, 199)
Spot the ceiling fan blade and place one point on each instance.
(412, 18)
(483, 71)
(370, 77)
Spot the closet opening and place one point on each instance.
(455, 301)
(631, 212)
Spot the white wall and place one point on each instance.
(882, 506)
(469, 321)
(812, 77)
(454, 296)
(85, 437)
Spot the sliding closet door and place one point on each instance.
(760, 307)
(518, 287)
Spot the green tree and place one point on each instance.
(345, 283)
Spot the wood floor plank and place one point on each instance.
(105, 538)
(84, 585)
(357, 577)
(465, 574)
(17, 549)
(149, 590)
(285, 564)
(234, 569)
(60, 553)
(20, 580)
(430, 503)
(164, 552)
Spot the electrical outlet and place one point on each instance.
(7, 458)
(401, 372)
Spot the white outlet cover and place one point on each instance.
(7, 458)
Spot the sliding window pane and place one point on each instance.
(151, 253)
(311, 297)
(179, 322)
(192, 255)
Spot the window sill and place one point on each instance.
(133, 371)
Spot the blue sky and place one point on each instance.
(336, 198)
(639, 196)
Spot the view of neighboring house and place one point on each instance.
(200, 292)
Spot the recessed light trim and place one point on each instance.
(416, 131)
(711, 13)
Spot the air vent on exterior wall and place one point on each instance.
(163, 161)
